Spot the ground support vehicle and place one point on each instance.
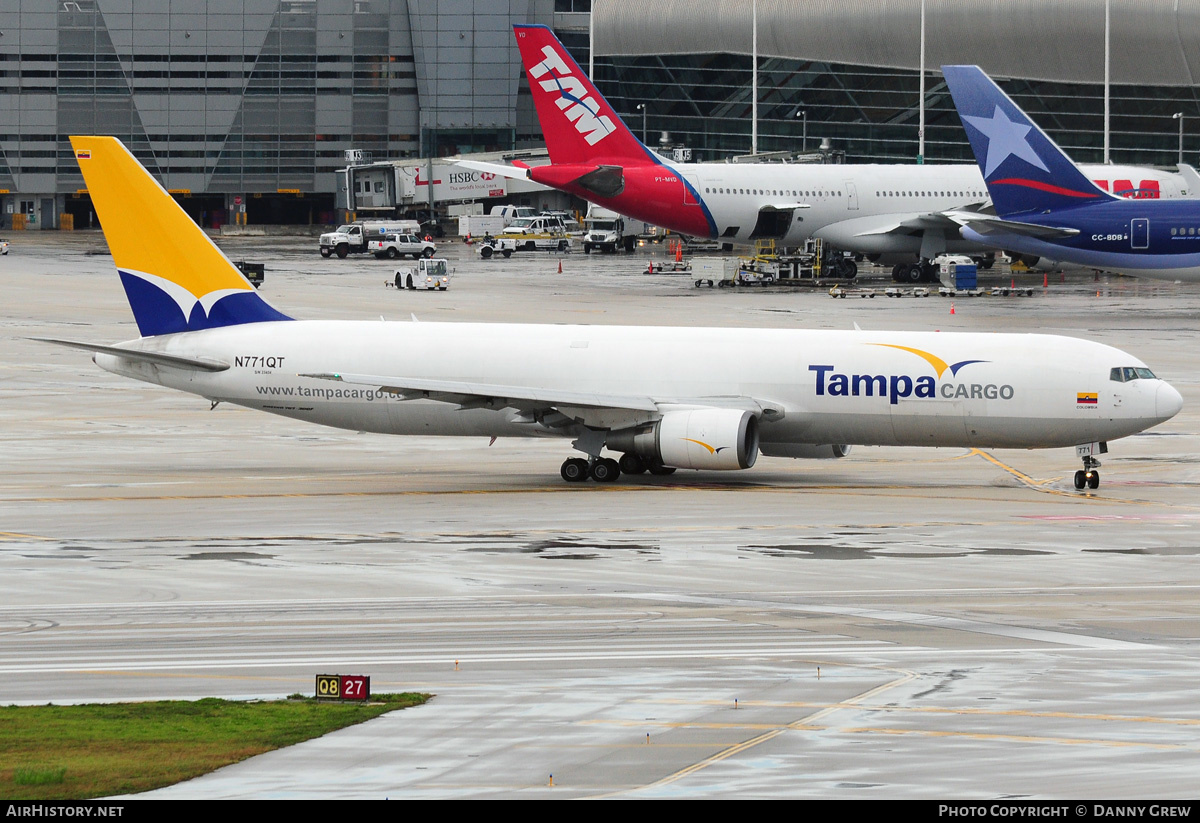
(254, 272)
(917, 292)
(606, 231)
(352, 238)
(711, 271)
(540, 233)
(491, 246)
(429, 273)
(401, 245)
(668, 266)
(479, 225)
(842, 291)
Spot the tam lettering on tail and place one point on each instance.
(1025, 171)
(175, 278)
(578, 123)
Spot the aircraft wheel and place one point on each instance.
(605, 470)
(915, 273)
(630, 463)
(660, 469)
(574, 470)
(1080, 479)
(1093, 479)
(898, 274)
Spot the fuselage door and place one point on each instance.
(691, 190)
(1139, 233)
(851, 197)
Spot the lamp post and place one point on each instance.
(642, 108)
(1179, 116)
(803, 115)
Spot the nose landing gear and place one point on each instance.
(1089, 475)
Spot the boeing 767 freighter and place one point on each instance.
(635, 391)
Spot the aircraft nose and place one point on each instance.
(1167, 401)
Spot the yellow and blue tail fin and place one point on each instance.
(175, 278)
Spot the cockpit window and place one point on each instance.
(1124, 374)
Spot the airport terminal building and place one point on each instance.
(247, 109)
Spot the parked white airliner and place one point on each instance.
(894, 211)
(642, 392)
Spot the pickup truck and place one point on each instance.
(541, 233)
(400, 245)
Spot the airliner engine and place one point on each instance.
(694, 439)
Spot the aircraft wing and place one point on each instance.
(909, 223)
(590, 408)
(988, 224)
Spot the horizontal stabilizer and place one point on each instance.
(513, 172)
(158, 358)
(988, 225)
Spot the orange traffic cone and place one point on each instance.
(1046, 280)
(679, 252)
(560, 267)
(952, 308)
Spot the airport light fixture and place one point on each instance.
(803, 115)
(642, 108)
(1179, 116)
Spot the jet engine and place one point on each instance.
(694, 439)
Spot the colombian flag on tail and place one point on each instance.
(175, 278)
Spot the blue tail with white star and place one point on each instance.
(1025, 171)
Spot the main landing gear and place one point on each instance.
(923, 271)
(607, 470)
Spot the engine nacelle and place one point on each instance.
(719, 439)
(805, 451)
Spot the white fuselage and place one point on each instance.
(858, 207)
(825, 387)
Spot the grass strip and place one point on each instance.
(103, 749)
